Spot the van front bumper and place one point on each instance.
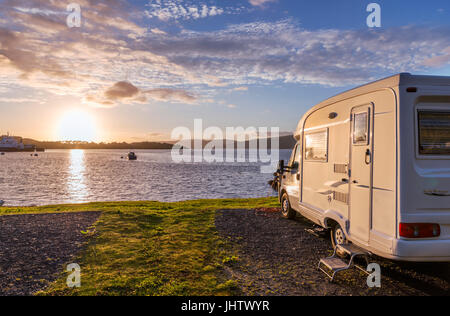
(435, 250)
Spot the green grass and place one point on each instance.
(151, 248)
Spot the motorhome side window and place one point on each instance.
(434, 133)
(316, 146)
(294, 155)
(360, 128)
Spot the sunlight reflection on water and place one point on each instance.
(76, 185)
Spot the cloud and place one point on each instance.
(15, 52)
(440, 59)
(262, 53)
(158, 31)
(19, 100)
(170, 95)
(121, 90)
(126, 93)
(114, 58)
(260, 2)
(176, 9)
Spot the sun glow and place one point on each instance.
(77, 125)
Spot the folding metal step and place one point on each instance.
(335, 264)
(352, 249)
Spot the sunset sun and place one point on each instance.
(77, 125)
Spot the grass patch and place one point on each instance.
(151, 248)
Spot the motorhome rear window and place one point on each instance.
(316, 146)
(434, 133)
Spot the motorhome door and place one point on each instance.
(361, 158)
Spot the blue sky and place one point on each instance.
(142, 68)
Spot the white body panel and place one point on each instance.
(360, 166)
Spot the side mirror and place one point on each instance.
(281, 165)
(295, 165)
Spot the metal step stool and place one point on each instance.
(335, 264)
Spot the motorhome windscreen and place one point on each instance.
(434, 133)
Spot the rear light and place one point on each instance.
(419, 230)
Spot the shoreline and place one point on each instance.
(115, 202)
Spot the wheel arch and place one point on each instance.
(331, 217)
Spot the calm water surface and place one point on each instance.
(77, 176)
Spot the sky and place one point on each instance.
(135, 70)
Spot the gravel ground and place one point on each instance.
(278, 257)
(34, 248)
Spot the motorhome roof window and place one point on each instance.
(434, 132)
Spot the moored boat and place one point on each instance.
(132, 156)
(15, 144)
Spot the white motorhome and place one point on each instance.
(373, 166)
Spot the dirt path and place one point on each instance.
(278, 257)
(34, 248)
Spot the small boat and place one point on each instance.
(132, 156)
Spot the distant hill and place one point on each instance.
(285, 142)
(87, 145)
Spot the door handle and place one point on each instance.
(298, 176)
(355, 182)
(368, 159)
(344, 180)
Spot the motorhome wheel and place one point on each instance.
(338, 236)
(286, 209)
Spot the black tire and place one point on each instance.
(286, 209)
(337, 235)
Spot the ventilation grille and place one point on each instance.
(341, 197)
(340, 168)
